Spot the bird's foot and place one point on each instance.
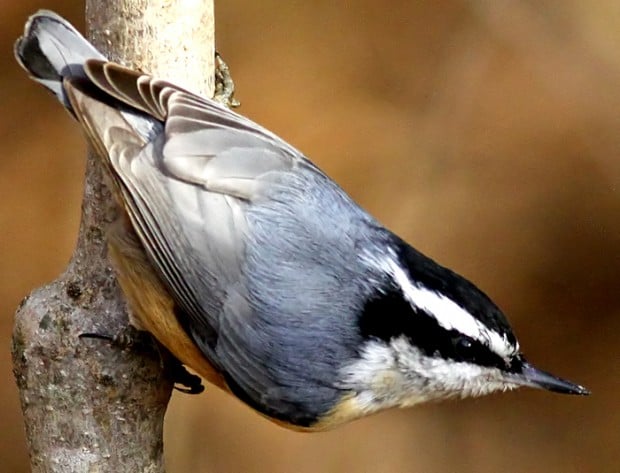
(224, 85)
(131, 338)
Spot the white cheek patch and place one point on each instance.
(448, 313)
(399, 375)
(445, 378)
(379, 382)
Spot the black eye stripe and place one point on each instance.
(389, 315)
(474, 352)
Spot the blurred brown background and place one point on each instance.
(485, 132)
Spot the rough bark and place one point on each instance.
(88, 405)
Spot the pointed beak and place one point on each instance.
(535, 378)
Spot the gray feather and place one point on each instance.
(52, 48)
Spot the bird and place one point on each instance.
(256, 270)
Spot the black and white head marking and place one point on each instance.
(420, 294)
(429, 334)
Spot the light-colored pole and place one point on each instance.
(89, 406)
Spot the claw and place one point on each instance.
(128, 338)
(131, 339)
(224, 85)
(191, 382)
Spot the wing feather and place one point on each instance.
(189, 183)
(186, 189)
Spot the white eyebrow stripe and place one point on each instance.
(448, 313)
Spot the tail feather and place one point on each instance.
(51, 49)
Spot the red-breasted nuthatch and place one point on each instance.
(258, 271)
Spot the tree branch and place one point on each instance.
(89, 406)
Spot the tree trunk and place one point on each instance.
(88, 405)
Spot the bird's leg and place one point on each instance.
(224, 85)
(130, 338)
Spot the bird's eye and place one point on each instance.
(462, 346)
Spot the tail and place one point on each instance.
(51, 49)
